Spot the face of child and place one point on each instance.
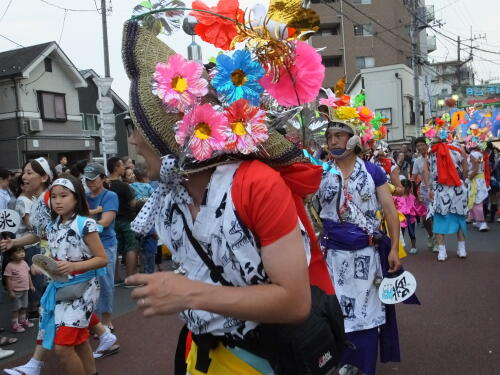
(129, 175)
(18, 255)
(4, 182)
(62, 201)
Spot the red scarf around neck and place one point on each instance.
(446, 168)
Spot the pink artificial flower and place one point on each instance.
(179, 83)
(307, 72)
(247, 127)
(431, 133)
(205, 129)
(333, 101)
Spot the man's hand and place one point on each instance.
(6, 244)
(394, 261)
(32, 289)
(431, 195)
(161, 293)
(12, 294)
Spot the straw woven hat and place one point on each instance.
(141, 51)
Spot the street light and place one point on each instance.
(455, 97)
(440, 103)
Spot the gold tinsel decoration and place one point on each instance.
(270, 52)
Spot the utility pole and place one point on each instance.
(344, 53)
(105, 38)
(415, 42)
(459, 64)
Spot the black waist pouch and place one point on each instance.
(312, 347)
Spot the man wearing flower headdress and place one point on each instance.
(228, 217)
(478, 190)
(448, 171)
(357, 253)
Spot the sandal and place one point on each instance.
(4, 340)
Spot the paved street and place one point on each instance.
(454, 332)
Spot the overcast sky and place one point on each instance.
(79, 33)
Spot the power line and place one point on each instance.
(67, 9)
(5, 12)
(62, 28)
(10, 40)
(378, 23)
(349, 17)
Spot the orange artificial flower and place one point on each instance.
(214, 29)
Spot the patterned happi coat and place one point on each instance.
(225, 239)
(353, 272)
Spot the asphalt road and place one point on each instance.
(456, 330)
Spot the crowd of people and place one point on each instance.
(231, 194)
(110, 201)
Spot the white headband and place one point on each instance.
(64, 182)
(46, 167)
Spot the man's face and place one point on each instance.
(422, 148)
(405, 149)
(120, 168)
(143, 148)
(337, 139)
(64, 160)
(95, 185)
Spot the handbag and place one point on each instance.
(313, 347)
(71, 292)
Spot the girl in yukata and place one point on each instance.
(75, 245)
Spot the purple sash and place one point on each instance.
(344, 236)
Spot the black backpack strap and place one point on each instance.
(215, 271)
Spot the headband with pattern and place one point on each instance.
(45, 166)
(64, 182)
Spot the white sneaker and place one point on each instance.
(483, 227)
(107, 345)
(498, 220)
(462, 254)
(475, 225)
(6, 353)
(27, 369)
(442, 256)
(413, 250)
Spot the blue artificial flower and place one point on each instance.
(238, 77)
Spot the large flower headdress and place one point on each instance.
(264, 71)
(353, 113)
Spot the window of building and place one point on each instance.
(329, 29)
(361, 1)
(363, 30)
(365, 62)
(412, 111)
(90, 121)
(330, 61)
(52, 106)
(48, 64)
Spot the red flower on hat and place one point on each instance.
(214, 29)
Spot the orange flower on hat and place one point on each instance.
(214, 29)
(365, 114)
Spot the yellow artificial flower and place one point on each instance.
(346, 113)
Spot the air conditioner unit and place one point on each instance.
(35, 125)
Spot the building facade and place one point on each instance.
(390, 91)
(359, 34)
(48, 108)
(39, 107)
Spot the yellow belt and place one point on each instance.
(223, 362)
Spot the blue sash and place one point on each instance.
(48, 303)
